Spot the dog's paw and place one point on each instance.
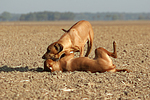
(114, 43)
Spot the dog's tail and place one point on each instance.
(65, 30)
(123, 70)
(118, 70)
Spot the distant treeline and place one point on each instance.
(54, 16)
(112, 16)
(45, 16)
(6, 16)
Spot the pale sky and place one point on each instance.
(26, 6)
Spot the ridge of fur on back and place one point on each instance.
(75, 40)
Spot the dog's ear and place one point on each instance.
(48, 65)
(58, 47)
(65, 30)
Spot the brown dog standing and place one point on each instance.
(73, 39)
(101, 63)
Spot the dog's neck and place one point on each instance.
(56, 66)
(65, 39)
(63, 62)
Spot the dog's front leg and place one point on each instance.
(81, 51)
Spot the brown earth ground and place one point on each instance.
(22, 45)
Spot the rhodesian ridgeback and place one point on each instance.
(101, 63)
(73, 39)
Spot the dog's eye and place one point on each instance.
(56, 48)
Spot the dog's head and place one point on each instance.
(48, 65)
(53, 51)
(51, 66)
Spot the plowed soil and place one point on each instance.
(22, 45)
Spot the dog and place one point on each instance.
(101, 63)
(73, 39)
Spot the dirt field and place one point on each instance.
(23, 44)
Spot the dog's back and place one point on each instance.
(77, 36)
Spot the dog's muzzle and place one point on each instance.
(43, 57)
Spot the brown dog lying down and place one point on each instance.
(73, 39)
(101, 63)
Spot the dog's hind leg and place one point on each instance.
(114, 54)
(90, 43)
(89, 49)
(101, 52)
